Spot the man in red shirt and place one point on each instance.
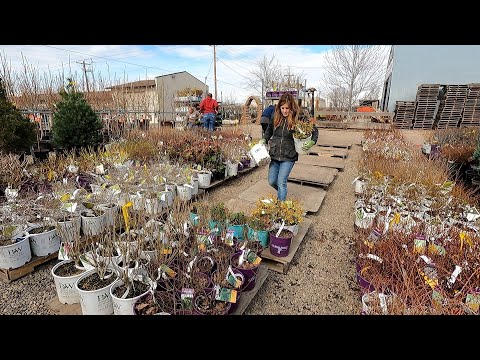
(209, 108)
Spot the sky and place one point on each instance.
(234, 63)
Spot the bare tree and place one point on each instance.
(265, 75)
(357, 69)
(269, 75)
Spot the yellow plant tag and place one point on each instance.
(126, 216)
(167, 250)
(368, 243)
(433, 283)
(170, 272)
(464, 237)
(396, 219)
(65, 197)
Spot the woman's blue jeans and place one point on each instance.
(278, 172)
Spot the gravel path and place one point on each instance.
(320, 280)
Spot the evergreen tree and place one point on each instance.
(75, 124)
(17, 132)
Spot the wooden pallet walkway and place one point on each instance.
(338, 144)
(322, 161)
(13, 274)
(64, 309)
(311, 197)
(329, 151)
(317, 175)
(282, 264)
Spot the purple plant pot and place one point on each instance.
(250, 275)
(365, 285)
(280, 246)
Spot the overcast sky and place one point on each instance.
(139, 62)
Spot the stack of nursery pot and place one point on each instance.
(14, 247)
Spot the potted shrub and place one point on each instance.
(301, 134)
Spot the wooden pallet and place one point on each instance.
(281, 264)
(329, 151)
(215, 183)
(247, 296)
(14, 274)
(64, 309)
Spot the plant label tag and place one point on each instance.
(419, 244)
(226, 295)
(232, 279)
(253, 258)
(167, 249)
(229, 237)
(187, 298)
(375, 235)
(473, 302)
(437, 298)
(168, 271)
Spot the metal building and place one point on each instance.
(410, 66)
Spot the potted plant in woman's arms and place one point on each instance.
(302, 134)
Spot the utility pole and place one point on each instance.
(85, 79)
(215, 69)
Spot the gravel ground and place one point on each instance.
(320, 280)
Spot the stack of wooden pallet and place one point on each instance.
(451, 107)
(471, 110)
(404, 114)
(427, 102)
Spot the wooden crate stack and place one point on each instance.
(471, 110)
(427, 104)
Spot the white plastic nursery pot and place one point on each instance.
(232, 169)
(99, 301)
(45, 242)
(299, 144)
(65, 285)
(360, 185)
(111, 210)
(204, 179)
(123, 306)
(153, 205)
(259, 152)
(364, 217)
(93, 225)
(69, 229)
(15, 255)
(185, 192)
(195, 187)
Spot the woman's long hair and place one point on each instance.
(286, 98)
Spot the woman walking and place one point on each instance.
(282, 147)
